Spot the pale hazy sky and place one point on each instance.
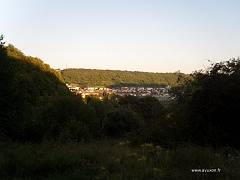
(135, 35)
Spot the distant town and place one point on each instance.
(161, 93)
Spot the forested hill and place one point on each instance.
(27, 85)
(94, 77)
(30, 74)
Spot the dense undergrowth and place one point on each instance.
(113, 159)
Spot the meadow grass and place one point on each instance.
(116, 160)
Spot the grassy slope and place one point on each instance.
(111, 159)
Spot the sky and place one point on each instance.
(133, 35)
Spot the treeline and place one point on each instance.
(36, 105)
(94, 77)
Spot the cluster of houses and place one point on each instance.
(160, 93)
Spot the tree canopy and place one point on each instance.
(94, 77)
(209, 101)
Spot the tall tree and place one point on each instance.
(209, 102)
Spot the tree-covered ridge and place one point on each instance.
(27, 84)
(32, 76)
(13, 52)
(94, 77)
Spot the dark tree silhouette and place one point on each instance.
(209, 102)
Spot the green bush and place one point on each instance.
(67, 114)
(120, 121)
(75, 131)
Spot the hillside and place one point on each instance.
(94, 77)
(27, 84)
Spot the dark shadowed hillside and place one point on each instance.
(27, 84)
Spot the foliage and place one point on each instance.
(154, 125)
(28, 88)
(112, 159)
(120, 121)
(2, 50)
(102, 108)
(75, 131)
(94, 77)
(208, 104)
(149, 108)
(64, 113)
